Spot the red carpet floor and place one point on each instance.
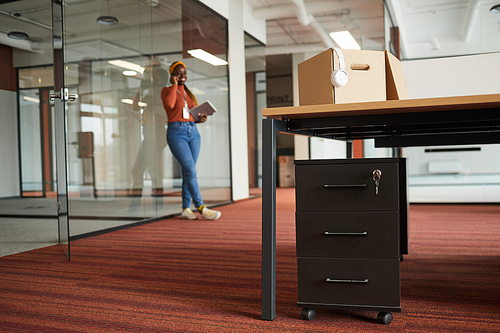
(205, 276)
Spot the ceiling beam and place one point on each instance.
(301, 11)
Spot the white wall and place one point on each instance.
(462, 176)
(457, 76)
(256, 28)
(9, 164)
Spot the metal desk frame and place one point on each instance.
(404, 123)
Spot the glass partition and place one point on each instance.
(120, 168)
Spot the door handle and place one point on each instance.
(64, 95)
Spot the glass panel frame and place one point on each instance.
(60, 127)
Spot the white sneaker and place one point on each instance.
(188, 214)
(208, 213)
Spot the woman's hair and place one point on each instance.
(190, 94)
(171, 71)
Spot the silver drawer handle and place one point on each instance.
(344, 186)
(346, 281)
(363, 233)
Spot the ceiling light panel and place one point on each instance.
(207, 57)
(345, 40)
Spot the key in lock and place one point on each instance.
(376, 178)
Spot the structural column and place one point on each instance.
(237, 101)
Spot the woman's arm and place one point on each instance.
(169, 96)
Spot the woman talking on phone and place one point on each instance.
(184, 140)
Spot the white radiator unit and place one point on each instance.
(444, 167)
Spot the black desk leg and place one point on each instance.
(397, 152)
(269, 129)
(348, 149)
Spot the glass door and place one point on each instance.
(113, 166)
(60, 96)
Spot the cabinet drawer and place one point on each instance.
(346, 186)
(347, 234)
(353, 282)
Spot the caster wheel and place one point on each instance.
(384, 318)
(308, 314)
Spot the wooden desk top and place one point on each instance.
(386, 107)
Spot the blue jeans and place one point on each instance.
(184, 142)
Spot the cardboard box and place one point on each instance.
(395, 81)
(286, 171)
(367, 78)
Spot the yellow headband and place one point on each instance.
(172, 67)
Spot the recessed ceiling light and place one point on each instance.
(495, 8)
(152, 3)
(107, 20)
(345, 40)
(18, 35)
(129, 73)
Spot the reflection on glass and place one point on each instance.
(38, 175)
(31, 154)
(119, 118)
(119, 168)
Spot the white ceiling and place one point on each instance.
(440, 28)
(304, 26)
(428, 28)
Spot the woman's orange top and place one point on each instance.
(173, 101)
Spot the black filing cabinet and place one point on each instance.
(351, 232)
